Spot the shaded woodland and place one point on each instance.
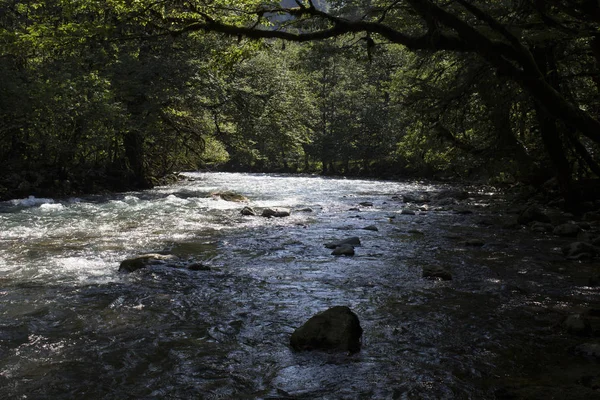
(120, 94)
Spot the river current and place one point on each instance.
(73, 327)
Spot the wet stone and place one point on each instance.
(577, 249)
(231, 196)
(463, 211)
(366, 204)
(436, 272)
(533, 214)
(474, 243)
(248, 211)
(336, 329)
(541, 227)
(276, 212)
(591, 350)
(343, 250)
(567, 230)
(416, 198)
(145, 260)
(577, 324)
(197, 266)
(371, 228)
(407, 212)
(452, 194)
(352, 241)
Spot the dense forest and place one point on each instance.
(119, 94)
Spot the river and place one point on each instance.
(73, 327)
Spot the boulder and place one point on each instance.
(436, 272)
(145, 260)
(407, 212)
(533, 214)
(249, 211)
(353, 241)
(276, 212)
(366, 204)
(567, 230)
(230, 196)
(343, 250)
(371, 228)
(336, 329)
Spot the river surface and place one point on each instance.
(73, 327)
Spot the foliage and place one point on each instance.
(116, 94)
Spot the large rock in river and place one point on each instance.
(248, 211)
(352, 241)
(145, 260)
(276, 212)
(337, 329)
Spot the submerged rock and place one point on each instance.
(353, 241)
(343, 250)
(230, 196)
(276, 212)
(407, 212)
(145, 260)
(474, 243)
(541, 227)
(371, 228)
(591, 350)
(577, 324)
(198, 266)
(437, 272)
(366, 204)
(336, 329)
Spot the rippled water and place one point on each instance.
(71, 326)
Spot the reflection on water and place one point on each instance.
(71, 326)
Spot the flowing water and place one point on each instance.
(73, 327)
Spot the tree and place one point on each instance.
(508, 36)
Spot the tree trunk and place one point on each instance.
(549, 130)
(134, 153)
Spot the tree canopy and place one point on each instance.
(135, 89)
